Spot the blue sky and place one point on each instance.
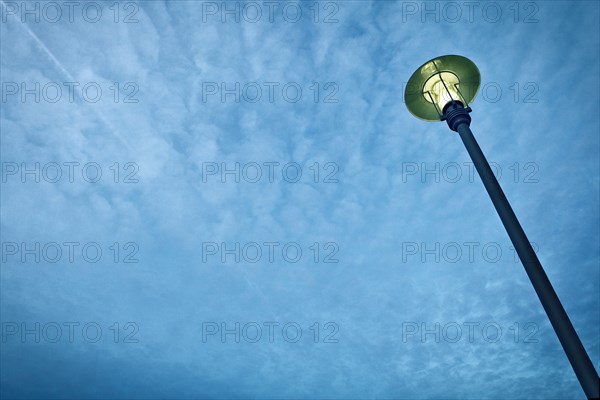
(415, 254)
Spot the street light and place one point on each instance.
(441, 90)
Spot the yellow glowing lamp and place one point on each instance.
(439, 82)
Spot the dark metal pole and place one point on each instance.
(459, 120)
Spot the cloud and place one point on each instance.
(390, 232)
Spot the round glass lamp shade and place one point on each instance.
(440, 82)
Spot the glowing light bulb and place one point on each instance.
(441, 89)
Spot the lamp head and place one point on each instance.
(439, 83)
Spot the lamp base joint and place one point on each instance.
(456, 114)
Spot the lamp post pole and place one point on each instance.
(459, 120)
